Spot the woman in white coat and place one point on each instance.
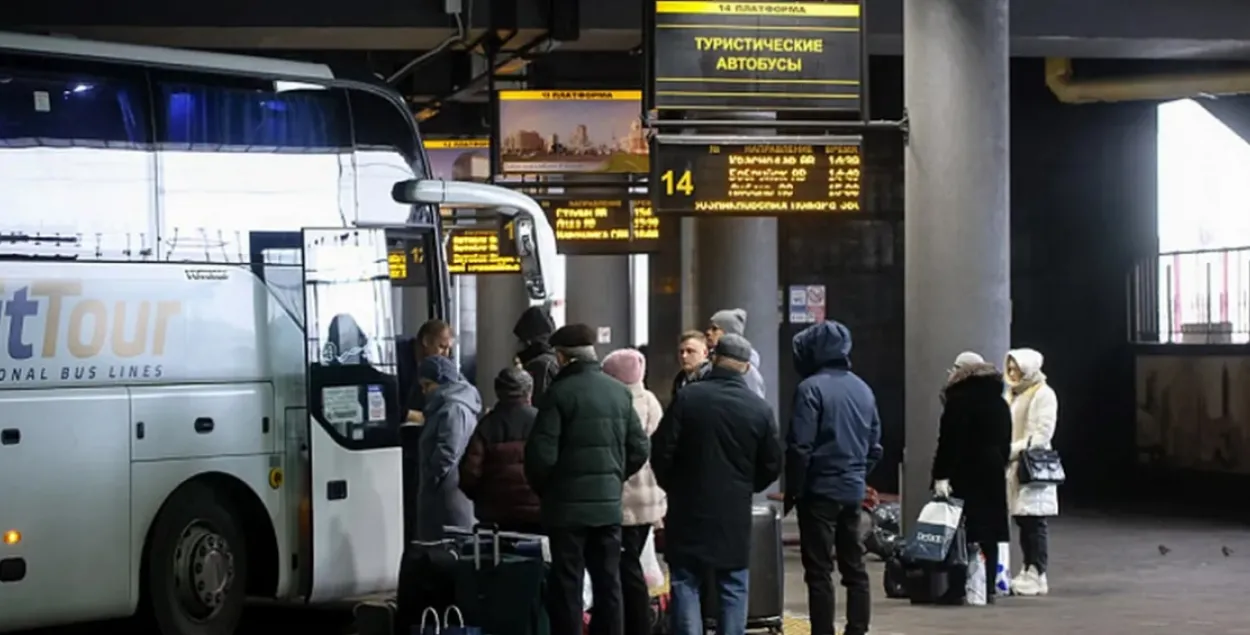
(1034, 411)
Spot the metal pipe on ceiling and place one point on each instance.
(1141, 88)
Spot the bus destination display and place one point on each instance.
(756, 55)
(476, 251)
(608, 226)
(757, 180)
(406, 261)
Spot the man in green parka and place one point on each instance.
(586, 442)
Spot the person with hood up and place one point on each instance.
(492, 472)
(451, 410)
(734, 322)
(586, 442)
(715, 448)
(534, 329)
(643, 503)
(1034, 412)
(692, 351)
(974, 442)
(833, 443)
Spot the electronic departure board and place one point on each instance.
(406, 261)
(764, 179)
(756, 56)
(476, 251)
(601, 226)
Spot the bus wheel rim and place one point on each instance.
(203, 570)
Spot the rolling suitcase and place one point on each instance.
(766, 599)
(500, 591)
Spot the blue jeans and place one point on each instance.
(687, 581)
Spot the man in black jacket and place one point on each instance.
(537, 357)
(692, 357)
(716, 446)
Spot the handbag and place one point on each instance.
(1040, 466)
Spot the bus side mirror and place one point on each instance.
(414, 191)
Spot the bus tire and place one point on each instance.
(195, 575)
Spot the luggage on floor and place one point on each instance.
(499, 591)
(427, 573)
(766, 593)
(895, 578)
(375, 617)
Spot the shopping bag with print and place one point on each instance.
(453, 623)
(974, 586)
(936, 530)
(429, 623)
(1002, 577)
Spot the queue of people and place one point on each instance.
(579, 450)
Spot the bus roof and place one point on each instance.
(160, 56)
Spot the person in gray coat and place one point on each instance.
(734, 322)
(451, 409)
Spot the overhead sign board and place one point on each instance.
(477, 251)
(756, 56)
(572, 132)
(770, 178)
(601, 226)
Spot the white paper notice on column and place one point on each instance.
(605, 335)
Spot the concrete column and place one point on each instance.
(500, 300)
(735, 266)
(599, 289)
(664, 315)
(957, 257)
(465, 291)
(598, 295)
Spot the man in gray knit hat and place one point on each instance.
(734, 322)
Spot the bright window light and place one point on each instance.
(1203, 207)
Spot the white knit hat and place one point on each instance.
(968, 358)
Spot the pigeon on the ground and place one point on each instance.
(1163, 550)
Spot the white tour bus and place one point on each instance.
(198, 387)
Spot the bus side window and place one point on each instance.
(76, 158)
(239, 155)
(387, 151)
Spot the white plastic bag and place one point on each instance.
(588, 594)
(974, 588)
(1002, 577)
(651, 569)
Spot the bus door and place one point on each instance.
(355, 482)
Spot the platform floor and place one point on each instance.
(1108, 576)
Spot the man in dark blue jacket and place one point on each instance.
(833, 442)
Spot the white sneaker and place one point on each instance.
(1043, 587)
(1028, 582)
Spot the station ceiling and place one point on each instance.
(1154, 29)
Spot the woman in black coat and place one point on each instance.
(974, 445)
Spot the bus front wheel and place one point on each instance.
(196, 572)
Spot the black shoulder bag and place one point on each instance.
(1040, 466)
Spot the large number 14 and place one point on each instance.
(673, 183)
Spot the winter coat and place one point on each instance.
(834, 439)
(537, 357)
(753, 378)
(450, 417)
(683, 378)
(974, 440)
(1034, 412)
(716, 446)
(586, 441)
(643, 501)
(492, 472)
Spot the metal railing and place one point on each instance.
(1191, 297)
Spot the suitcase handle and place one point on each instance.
(479, 530)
